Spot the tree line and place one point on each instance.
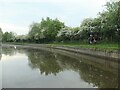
(105, 27)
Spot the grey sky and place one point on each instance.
(17, 15)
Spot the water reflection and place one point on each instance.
(45, 61)
(0, 51)
(96, 74)
(0, 67)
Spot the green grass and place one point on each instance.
(101, 46)
(109, 47)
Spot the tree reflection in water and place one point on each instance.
(9, 51)
(45, 61)
(53, 62)
(0, 52)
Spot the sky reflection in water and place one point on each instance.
(31, 68)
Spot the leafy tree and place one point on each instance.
(21, 38)
(35, 31)
(51, 28)
(46, 30)
(110, 22)
(86, 27)
(65, 34)
(105, 26)
(1, 35)
(8, 37)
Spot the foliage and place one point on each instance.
(110, 22)
(46, 29)
(8, 37)
(1, 34)
(105, 27)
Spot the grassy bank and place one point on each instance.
(101, 46)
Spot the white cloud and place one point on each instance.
(17, 15)
(50, 1)
(13, 28)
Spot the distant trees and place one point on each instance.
(46, 30)
(68, 34)
(8, 37)
(105, 27)
(110, 21)
(1, 35)
(35, 32)
(21, 38)
(64, 34)
(51, 27)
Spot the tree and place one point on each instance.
(35, 31)
(51, 28)
(46, 30)
(106, 25)
(110, 21)
(86, 27)
(8, 37)
(64, 34)
(21, 38)
(1, 35)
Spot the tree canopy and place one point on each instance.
(105, 27)
(1, 34)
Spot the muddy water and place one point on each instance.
(33, 68)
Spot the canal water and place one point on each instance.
(49, 68)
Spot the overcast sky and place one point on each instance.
(17, 15)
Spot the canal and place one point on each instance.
(51, 68)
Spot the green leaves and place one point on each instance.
(47, 29)
(106, 24)
(106, 27)
(1, 34)
(8, 37)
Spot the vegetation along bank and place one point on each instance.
(99, 34)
